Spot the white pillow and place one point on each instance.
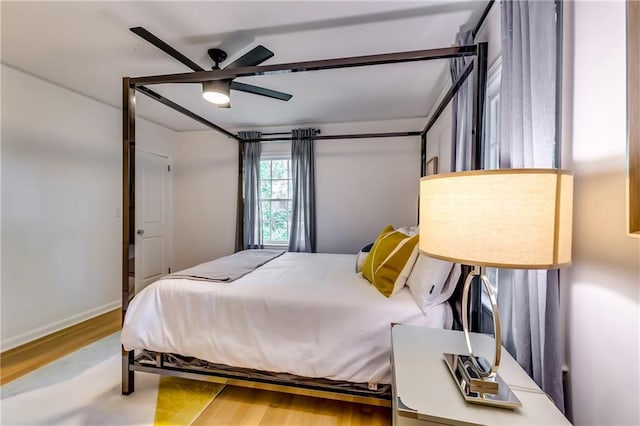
(406, 271)
(432, 281)
(362, 257)
(409, 230)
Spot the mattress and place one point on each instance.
(305, 314)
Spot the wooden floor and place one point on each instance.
(245, 406)
(234, 406)
(19, 361)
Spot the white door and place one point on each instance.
(153, 218)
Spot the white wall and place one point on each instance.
(205, 194)
(439, 137)
(601, 291)
(61, 205)
(365, 184)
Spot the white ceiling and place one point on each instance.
(87, 47)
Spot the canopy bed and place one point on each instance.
(156, 332)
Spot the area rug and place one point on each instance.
(83, 388)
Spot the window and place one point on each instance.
(492, 150)
(492, 119)
(275, 199)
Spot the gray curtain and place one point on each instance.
(252, 211)
(529, 300)
(462, 106)
(302, 236)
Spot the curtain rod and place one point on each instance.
(282, 133)
(349, 136)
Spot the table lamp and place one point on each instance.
(508, 218)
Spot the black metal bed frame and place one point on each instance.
(175, 365)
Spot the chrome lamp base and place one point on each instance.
(477, 379)
(477, 389)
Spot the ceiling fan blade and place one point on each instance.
(166, 48)
(255, 90)
(254, 57)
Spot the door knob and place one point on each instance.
(140, 232)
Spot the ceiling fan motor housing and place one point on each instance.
(218, 55)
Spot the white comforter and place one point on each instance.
(304, 314)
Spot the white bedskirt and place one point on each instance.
(306, 314)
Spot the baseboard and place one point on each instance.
(32, 335)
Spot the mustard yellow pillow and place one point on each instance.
(390, 261)
(366, 268)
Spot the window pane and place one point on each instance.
(265, 189)
(279, 169)
(279, 211)
(266, 231)
(266, 210)
(279, 230)
(265, 169)
(280, 189)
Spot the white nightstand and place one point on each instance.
(424, 392)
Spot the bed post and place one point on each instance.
(423, 155)
(240, 200)
(480, 89)
(128, 217)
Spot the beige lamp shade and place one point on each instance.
(509, 218)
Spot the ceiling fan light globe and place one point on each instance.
(216, 91)
(216, 98)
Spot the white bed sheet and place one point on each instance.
(304, 314)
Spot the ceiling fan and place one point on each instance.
(218, 91)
